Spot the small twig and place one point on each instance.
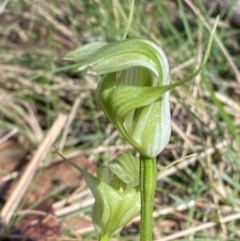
(8, 135)
(72, 114)
(85, 230)
(24, 182)
(63, 202)
(74, 207)
(2, 6)
(9, 177)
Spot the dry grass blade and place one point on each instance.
(74, 207)
(3, 5)
(200, 227)
(17, 195)
(192, 160)
(218, 40)
(8, 135)
(71, 198)
(169, 210)
(183, 135)
(61, 27)
(85, 230)
(72, 114)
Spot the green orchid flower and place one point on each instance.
(130, 92)
(116, 193)
(134, 89)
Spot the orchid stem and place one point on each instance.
(148, 174)
(103, 238)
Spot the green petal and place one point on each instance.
(122, 62)
(84, 52)
(127, 107)
(153, 128)
(123, 50)
(126, 168)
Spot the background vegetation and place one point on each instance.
(37, 85)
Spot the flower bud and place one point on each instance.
(120, 195)
(116, 193)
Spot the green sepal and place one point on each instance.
(139, 50)
(84, 52)
(126, 168)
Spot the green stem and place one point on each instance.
(148, 174)
(103, 238)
